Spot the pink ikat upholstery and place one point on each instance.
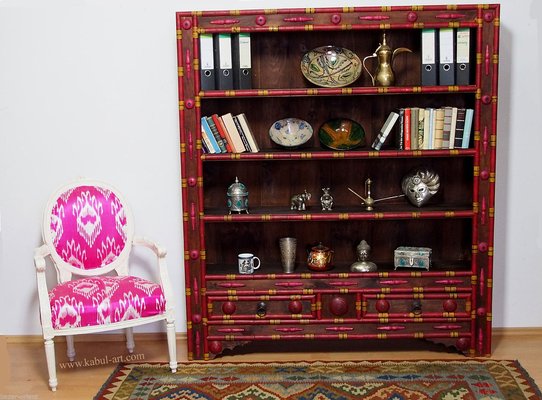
(88, 227)
(103, 300)
(88, 235)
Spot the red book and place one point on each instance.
(406, 129)
(222, 131)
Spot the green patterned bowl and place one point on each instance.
(331, 66)
(341, 134)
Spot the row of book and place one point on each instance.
(427, 128)
(225, 60)
(446, 54)
(227, 134)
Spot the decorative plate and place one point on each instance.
(290, 132)
(331, 66)
(341, 134)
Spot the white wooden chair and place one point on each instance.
(88, 231)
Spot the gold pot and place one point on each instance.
(319, 258)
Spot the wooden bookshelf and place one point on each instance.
(450, 303)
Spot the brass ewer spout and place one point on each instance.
(384, 75)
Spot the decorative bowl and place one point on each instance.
(290, 132)
(341, 134)
(331, 66)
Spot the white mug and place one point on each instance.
(248, 263)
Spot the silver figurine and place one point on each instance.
(326, 200)
(362, 265)
(298, 201)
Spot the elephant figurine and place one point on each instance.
(298, 201)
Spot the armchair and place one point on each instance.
(88, 232)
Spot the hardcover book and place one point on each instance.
(460, 125)
(385, 130)
(439, 128)
(222, 144)
(223, 133)
(242, 134)
(247, 131)
(233, 133)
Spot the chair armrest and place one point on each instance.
(39, 257)
(155, 247)
(162, 269)
(43, 295)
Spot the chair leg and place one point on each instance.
(70, 352)
(172, 345)
(130, 344)
(51, 363)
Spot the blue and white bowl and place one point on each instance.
(290, 132)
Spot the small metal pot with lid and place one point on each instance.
(319, 258)
(237, 197)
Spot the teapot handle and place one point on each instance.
(365, 68)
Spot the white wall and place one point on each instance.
(88, 88)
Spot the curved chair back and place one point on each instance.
(90, 229)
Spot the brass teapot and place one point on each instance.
(384, 75)
(319, 258)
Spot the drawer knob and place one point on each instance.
(295, 306)
(228, 307)
(449, 305)
(338, 306)
(261, 309)
(382, 306)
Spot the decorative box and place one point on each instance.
(412, 257)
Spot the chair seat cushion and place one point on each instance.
(104, 300)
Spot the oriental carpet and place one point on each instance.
(372, 380)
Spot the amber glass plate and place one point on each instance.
(341, 134)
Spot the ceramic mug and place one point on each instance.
(248, 263)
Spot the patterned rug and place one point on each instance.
(368, 380)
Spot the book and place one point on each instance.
(400, 137)
(452, 127)
(221, 141)
(205, 144)
(460, 125)
(242, 133)
(406, 129)
(439, 128)
(247, 131)
(385, 130)
(421, 121)
(427, 128)
(223, 133)
(469, 114)
(229, 124)
(207, 134)
(414, 121)
(447, 128)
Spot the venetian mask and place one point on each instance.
(420, 185)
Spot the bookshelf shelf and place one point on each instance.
(279, 155)
(352, 91)
(451, 302)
